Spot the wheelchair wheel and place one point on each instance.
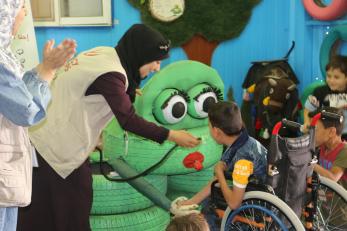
(331, 206)
(261, 211)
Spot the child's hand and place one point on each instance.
(179, 209)
(185, 202)
(305, 127)
(313, 100)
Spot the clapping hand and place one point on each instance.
(55, 57)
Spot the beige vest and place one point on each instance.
(74, 121)
(15, 165)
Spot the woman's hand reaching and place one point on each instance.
(183, 138)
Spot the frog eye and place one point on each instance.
(202, 103)
(203, 96)
(175, 110)
(171, 106)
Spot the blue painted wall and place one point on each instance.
(273, 26)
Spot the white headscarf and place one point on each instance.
(8, 12)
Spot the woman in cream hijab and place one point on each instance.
(23, 101)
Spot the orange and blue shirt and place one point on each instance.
(245, 148)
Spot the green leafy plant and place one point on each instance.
(215, 20)
(203, 24)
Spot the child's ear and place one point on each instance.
(332, 131)
(215, 131)
(219, 132)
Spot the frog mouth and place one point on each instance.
(194, 160)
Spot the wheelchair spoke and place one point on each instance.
(331, 210)
(252, 218)
(261, 211)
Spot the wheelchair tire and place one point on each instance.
(273, 206)
(332, 206)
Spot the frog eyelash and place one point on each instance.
(215, 90)
(177, 92)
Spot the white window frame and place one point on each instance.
(56, 13)
(105, 20)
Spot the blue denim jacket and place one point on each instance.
(23, 101)
(246, 147)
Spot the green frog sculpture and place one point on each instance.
(177, 97)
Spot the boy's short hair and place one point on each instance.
(338, 62)
(330, 122)
(190, 222)
(226, 116)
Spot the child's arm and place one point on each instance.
(232, 197)
(311, 104)
(23, 101)
(335, 173)
(307, 119)
(200, 196)
(242, 170)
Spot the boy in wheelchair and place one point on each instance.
(332, 150)
(243, 157)
(332, 155)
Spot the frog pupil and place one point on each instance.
(208, 101)
(178, 110)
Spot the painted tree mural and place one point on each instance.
(203, 25)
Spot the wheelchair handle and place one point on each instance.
(326, 115)
(315, 119)
(332, 116)
(287, 123)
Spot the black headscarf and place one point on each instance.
(138, 46)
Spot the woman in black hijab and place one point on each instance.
(62, 184)
(139, 46)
